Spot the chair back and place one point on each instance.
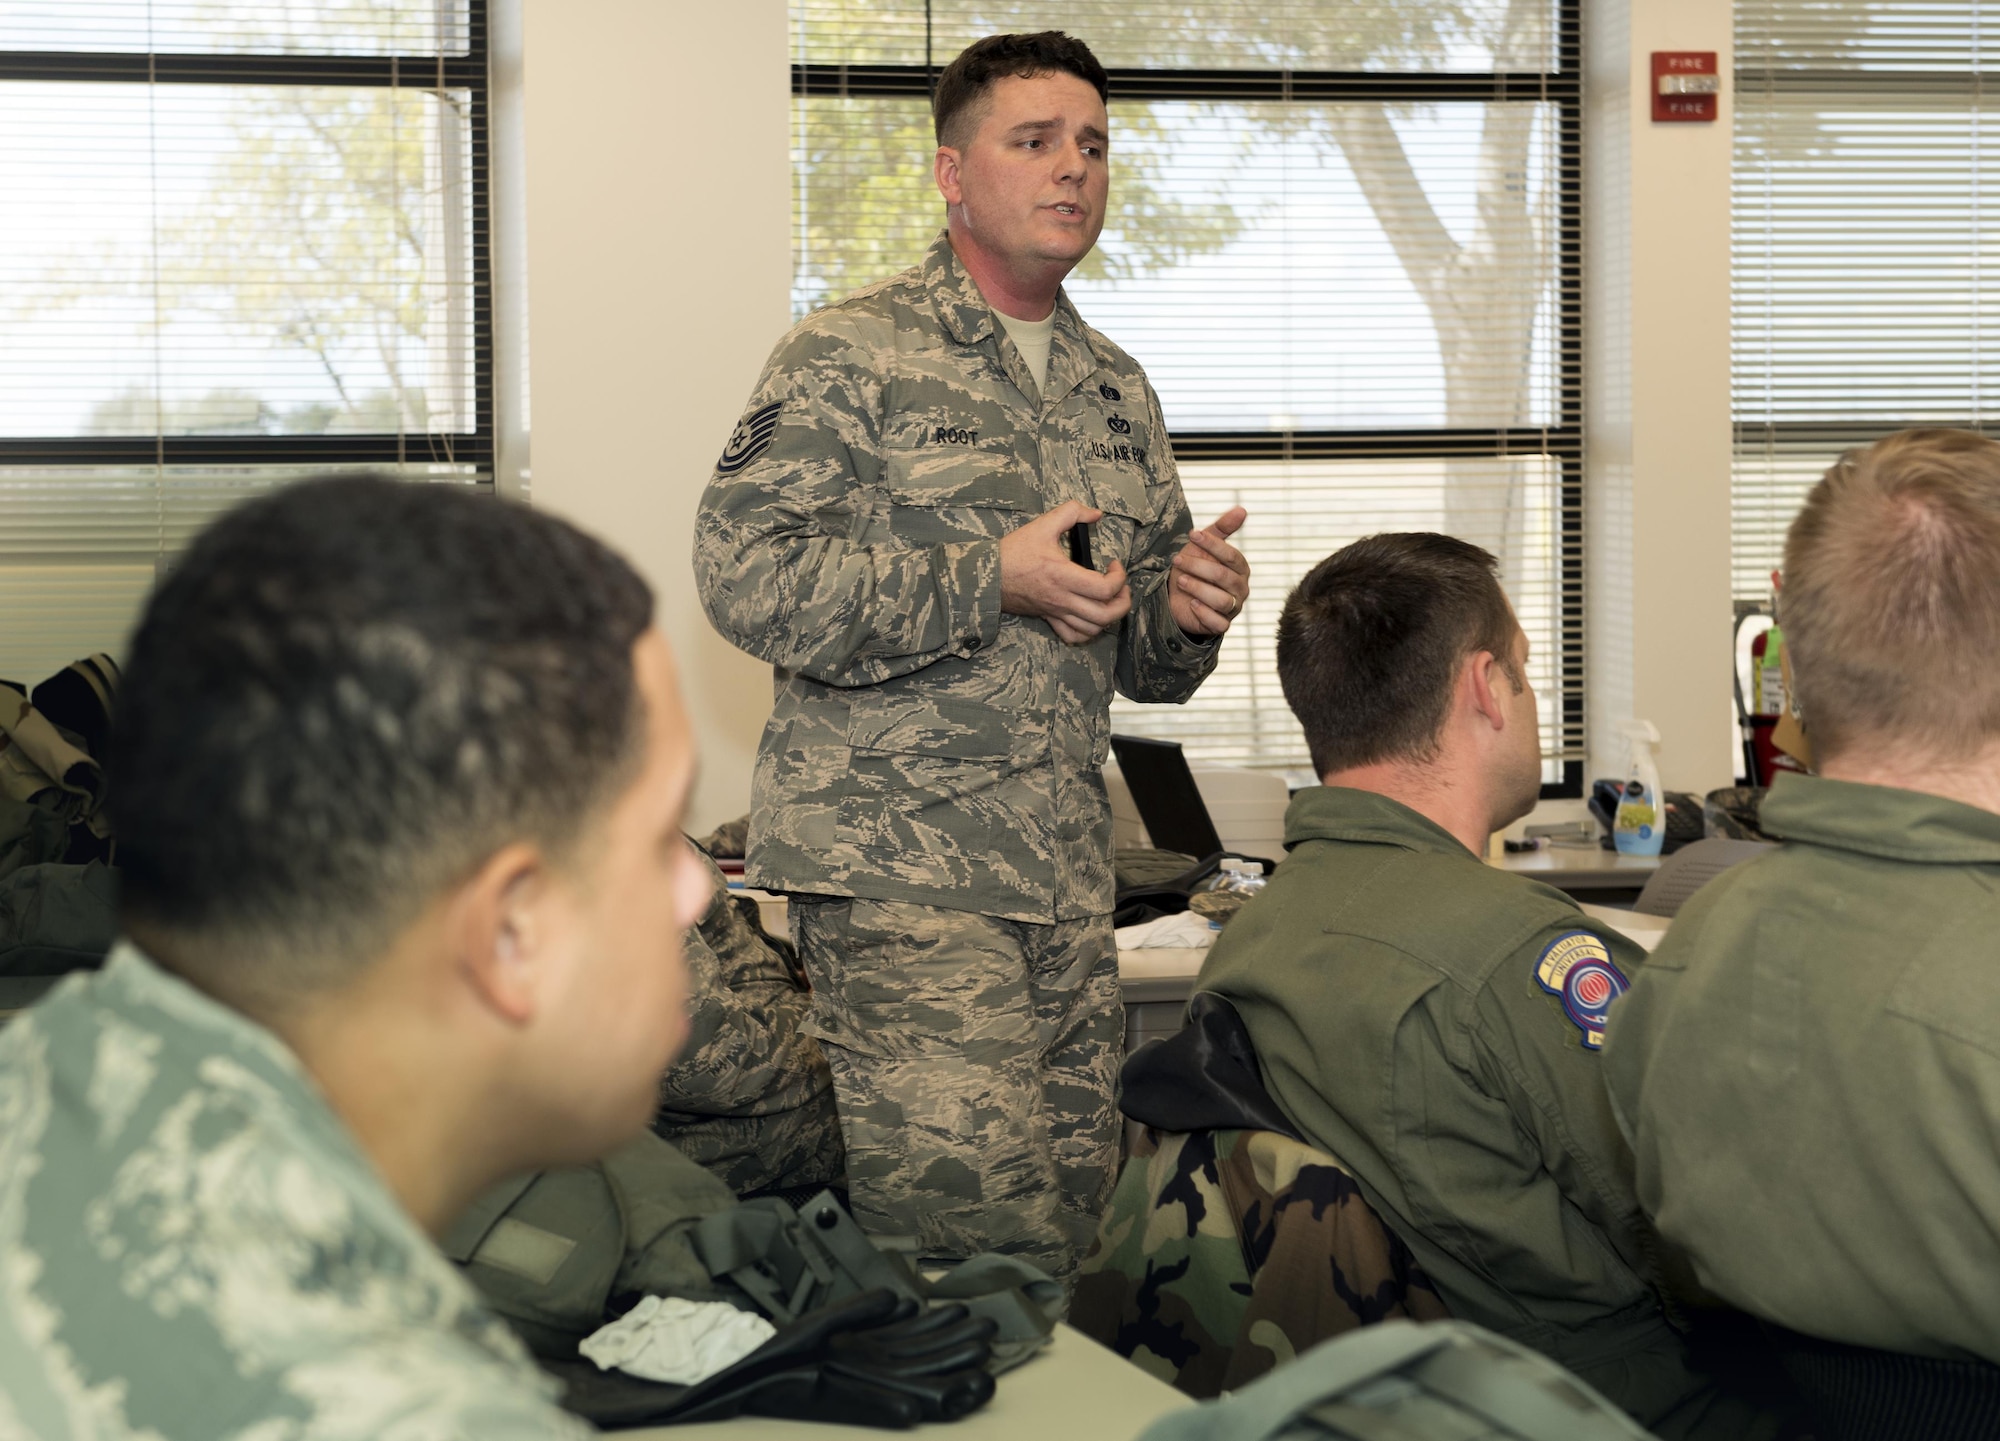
(1690, 868)
(1857, 1393)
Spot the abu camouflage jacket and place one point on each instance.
(922, 746)
(192, 1243)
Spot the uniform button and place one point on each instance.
(972, 643)
(1174, 645)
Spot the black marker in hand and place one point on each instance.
(1079, 545)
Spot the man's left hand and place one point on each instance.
(1210, 579)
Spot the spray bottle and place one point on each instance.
(1641, 823)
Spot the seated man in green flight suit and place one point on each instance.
(1432, 1022)
(1810, 1070)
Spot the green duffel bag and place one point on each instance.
(55, 919)
(560, 1252)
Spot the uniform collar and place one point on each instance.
(1341, 813)
(968, 317)
(953, 291)
(135, 983)
(1882, 821)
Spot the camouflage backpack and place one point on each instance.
(1230, 1246)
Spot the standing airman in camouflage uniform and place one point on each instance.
(750, 1097)
(886, 528)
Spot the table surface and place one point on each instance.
(1075, 1390)
(1579, 868)
(1644, 930)
(1159, 973)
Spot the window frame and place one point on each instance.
(1561, 442)
(467, 72)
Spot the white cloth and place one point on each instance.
(1184, 932)
(1033, 338)
(670, 1339)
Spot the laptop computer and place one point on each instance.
(1169, 802)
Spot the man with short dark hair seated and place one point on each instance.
(1810, 1069)
(1429, 1021)
(397, 780)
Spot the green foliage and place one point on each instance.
(864, 203)
(1349, 35)
(865, 206)
(233, 411)
(315, 229)
(323, 219)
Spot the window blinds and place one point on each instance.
(1341, 241)
(1865, 250)
(1382, 36)
(245, 243)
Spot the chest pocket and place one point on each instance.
(1122, 493)
(955, 490)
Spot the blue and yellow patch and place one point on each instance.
(1577, 968)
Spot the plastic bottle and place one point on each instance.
(1640, 825)
(1245, 876)
(1767, 664)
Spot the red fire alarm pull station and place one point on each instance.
(1686, 84)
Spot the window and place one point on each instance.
(1344, 243)
(1863, 301)
(245, 242)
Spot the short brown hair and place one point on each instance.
(956, 107)
(1891, 596)
(1370, 643)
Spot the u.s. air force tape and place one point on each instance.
(1577, 967)
(751, 438)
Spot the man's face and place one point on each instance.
(1032, 181)
(1519, 783)
(619, 911)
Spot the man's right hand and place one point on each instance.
(1037, 577)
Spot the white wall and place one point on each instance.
(1656, 251)
(658, 234)
(659, 267)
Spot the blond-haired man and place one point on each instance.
(1809, 1066)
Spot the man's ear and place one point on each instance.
(501, 936)
(944, 168)
(1484, 675)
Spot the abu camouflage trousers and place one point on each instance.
(974, 1062)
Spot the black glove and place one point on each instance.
(870, 1360)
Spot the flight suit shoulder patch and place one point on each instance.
(1576, 968)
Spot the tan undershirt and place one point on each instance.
(1032, 338)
